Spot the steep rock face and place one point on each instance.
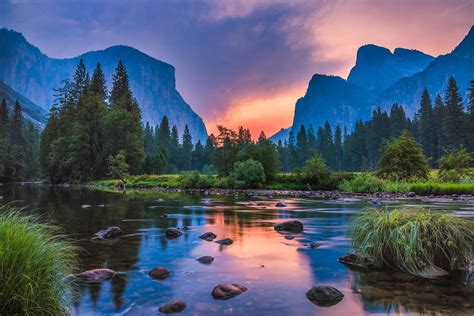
(333, 99)
(459, 63)
(31, 111)
(26, 69)
(377, 68)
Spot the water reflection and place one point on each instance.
(277, 271)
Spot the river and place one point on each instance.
(277, 271)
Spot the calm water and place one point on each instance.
(276, 271)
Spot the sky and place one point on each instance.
(242, 62)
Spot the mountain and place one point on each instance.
(31, 111)
(381, 78)
(377, 68)
(26, 69)
(333, 99)
(459, 63)
(283, 134)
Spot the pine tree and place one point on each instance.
(425, 128)
(4, 113)
(338, 148)
(98, 84)
(48, 154)
(302, 147)
(470, 117)
(187, 149)
(163, 137)
(439, 113)
(454, 123)
(120, 86)
(80, 82)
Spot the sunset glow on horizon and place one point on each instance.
(244, 62)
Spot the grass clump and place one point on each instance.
(35, 264)
(413, 240)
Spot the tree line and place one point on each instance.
(19, 145)
(91, 131)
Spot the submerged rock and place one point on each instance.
(225, 241)
(226, 291)
(209, 236)
(280, 204)
(289, 226)
(111, 232)
(314, 245)
(289, 237)
(324, 295)
(411, 194)
(355, 261)
(433, 272)
(175, 306)
(172, 233)
(97, 275)
(206, 259)
(159, 273)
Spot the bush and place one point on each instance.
(430, 188)
(362, 183)
(35, 263)
(455, 166)
(316, 173)
(403, 160)
(413, 240)
(249, 174)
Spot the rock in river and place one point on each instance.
(225, 241)
(289, 226)
(314, 245)
(226, 291)
(175, 306)
(159, 273)
(97, 275)
(280, 204)
(206, 259)
(111, 232)
(209, 236)
(324, 295)
(172, 233)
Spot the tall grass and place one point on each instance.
(35, 264)
(413, 240)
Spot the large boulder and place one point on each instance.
(172, 233)
(209, 236)
(225, 241)
(175, 306)
(159, 273)
(97, 275)
(289, 226)
(111, 232)
(226, 291)
(324, 295)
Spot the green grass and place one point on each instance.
(413, 239)
(35, 265)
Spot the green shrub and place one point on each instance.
(412, 240)
(455, 166)
(35, 265)
(316, 173)
(403, 160)
(430, 188)
(249, 174)
(362, 183)
(224, 182)
(189, 180)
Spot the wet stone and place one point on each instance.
(111, 232)
(226, 291)
(97, 275)
(290, 226)
(225, 241)
(324, 295)
(280, 204)
(206, 259)
(172, 233)
(175, 306)
(209, 236)
(159, 273)
(314, 245)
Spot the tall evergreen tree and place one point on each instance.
(454, 123)
(98, 84)
(120, 85)
(187, 149)
(470, 117)
(425, 125)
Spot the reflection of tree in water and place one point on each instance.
(398, 292)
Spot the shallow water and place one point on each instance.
(277, 271)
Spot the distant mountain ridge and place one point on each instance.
(31, 111)
(381, 78)
(26, 69)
